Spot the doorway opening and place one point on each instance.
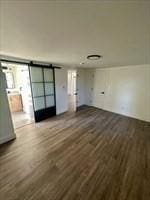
(19, 93)
(72, 91)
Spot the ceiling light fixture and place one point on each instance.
(94, 57)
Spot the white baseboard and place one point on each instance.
(7, 138)
(61, 111)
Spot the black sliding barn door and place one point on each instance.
(43, 91)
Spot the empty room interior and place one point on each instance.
(74, 100)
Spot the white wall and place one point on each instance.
(6, 127)
(127, 90)
(84, 86)
(61, 90)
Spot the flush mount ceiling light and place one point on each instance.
(94, 57)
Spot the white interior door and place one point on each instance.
(99, 89)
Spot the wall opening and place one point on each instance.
(19, 93)
(72, 92)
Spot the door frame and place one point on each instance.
(18, 65)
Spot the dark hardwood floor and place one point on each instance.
(88, 155)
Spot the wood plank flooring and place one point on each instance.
(88, 155)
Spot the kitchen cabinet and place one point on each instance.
(15, 103)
